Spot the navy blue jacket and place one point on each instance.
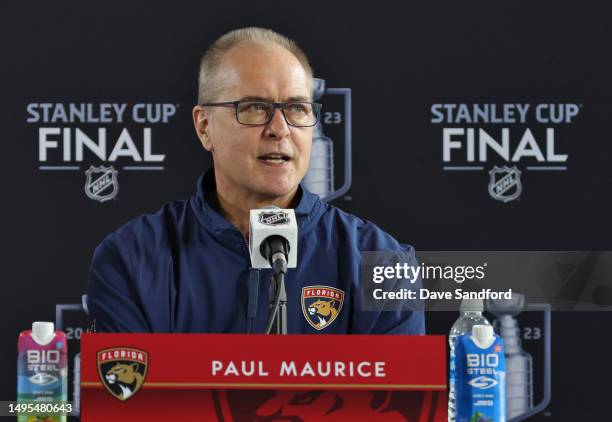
(186, 269)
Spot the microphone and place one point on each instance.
(276, 249)
(273, 238)
(273, 244)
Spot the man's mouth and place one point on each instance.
(274, 158)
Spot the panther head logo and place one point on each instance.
(321, 305)
(324, 311)
(127, 378)
(122, 370)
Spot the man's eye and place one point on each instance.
(297, 108)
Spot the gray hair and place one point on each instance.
(209, 86)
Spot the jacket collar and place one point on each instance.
(205, 206)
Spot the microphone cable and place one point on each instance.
(279, 279)
(279, 264)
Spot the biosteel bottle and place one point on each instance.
(481, 376)
(470, 315)
(42, 373)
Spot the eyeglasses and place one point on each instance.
(256, 113)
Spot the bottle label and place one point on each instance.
(480, 376)
(42, 373)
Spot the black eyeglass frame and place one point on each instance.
(281, 106)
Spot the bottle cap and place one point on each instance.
(482, 333)
(43, 332)
(471, 305)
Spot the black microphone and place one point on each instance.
(275, 249)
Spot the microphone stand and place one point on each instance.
(277, 287)
(276, 249)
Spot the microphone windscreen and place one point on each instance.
(269, 221)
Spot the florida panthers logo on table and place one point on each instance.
(321, 305)
(122, 370)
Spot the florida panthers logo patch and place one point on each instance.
(122, 370)
(321, 305)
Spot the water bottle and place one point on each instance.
(42, 372)
(480, 376)
(470, 315)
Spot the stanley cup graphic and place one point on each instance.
(319, 178)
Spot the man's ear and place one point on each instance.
(201, 123)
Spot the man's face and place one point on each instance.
(243, 156)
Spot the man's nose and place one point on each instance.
(277, 126)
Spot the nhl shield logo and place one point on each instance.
(321, 305)
(122, 370)
(273, 218)
(505, 183)
(101, 183)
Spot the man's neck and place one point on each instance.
(236, 207)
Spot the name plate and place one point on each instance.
(124, 363)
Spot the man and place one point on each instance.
(187, 267)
